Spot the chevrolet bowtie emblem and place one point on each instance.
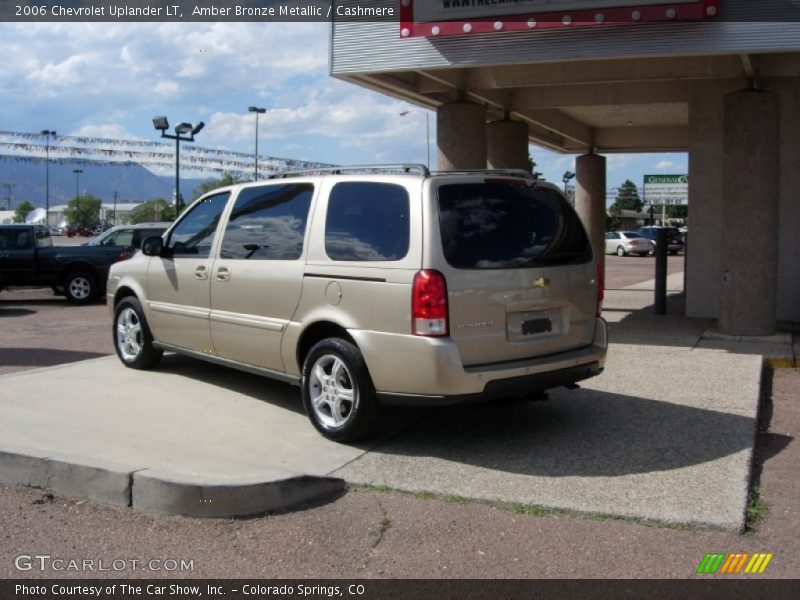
(541, 282)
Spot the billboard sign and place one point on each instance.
(434, 18)
(671, 190)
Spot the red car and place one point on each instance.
(79, 231)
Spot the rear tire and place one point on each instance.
(338, 394)
(621, 251)
(132, 338)
(80, 287)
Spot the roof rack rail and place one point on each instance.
(515, 172)
(404, 168)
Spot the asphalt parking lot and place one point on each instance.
(368, 533)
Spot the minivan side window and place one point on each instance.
(268, 223)
(367, 221)
(194, 234)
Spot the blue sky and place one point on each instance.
(110, 79)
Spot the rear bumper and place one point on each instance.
(500, 388)
(429, 371)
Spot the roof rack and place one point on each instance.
(403, 168)
(515, 172)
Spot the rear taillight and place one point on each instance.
(601, 289)
(123, 255)
(429, 304)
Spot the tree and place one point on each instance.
(616, 217)
(677, 211)
(83, 211)
(226, 179)
(628, 197)
(152, 210)
(23, 210)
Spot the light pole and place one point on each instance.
(427, 135)
(567, 176)
(48, 134)
(259, 111)
(77, 181)
(162, 124)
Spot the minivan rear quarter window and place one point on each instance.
(367, 221)
(504, 225)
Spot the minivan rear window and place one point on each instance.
(504, 225)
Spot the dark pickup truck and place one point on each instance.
(28, 258)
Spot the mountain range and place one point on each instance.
(131, 182)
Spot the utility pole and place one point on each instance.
(115, 208)
(49, 134)
(9, 187)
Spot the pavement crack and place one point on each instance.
(384, 525)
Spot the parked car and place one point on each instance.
(79, 231)
(623, 243)
(372, 288)
(675, 241)
(129, 236)
(29, 259)
(56, 230)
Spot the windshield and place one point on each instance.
(505, 224)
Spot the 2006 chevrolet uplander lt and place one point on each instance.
(372, 286)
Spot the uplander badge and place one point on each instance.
(478, 325)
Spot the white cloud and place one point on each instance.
(617, 162)
(350, 116)
(166, 88)
(109, 130)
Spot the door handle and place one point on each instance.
(223, 274)
(201, 272)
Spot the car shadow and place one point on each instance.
(281, 394)
(582, 433)
(42, 357)
(16, 312)
(277, 393)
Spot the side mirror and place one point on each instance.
(153, 246)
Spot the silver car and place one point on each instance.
(397, 286)
(623, 243)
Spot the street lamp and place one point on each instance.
(48, 134)
(162, 124)
(567, 176)
(77, 181)
(427, 135)
(259, 111)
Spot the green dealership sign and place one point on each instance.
(666, 189)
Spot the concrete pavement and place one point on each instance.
(665, 434)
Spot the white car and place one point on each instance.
(623, 243)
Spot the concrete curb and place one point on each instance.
(69, 475)
(161, 492)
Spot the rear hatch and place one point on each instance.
(520, 276)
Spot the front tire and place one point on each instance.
(338, 394)
(132, 338)
(80, 287)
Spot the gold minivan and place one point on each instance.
(372, 286)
